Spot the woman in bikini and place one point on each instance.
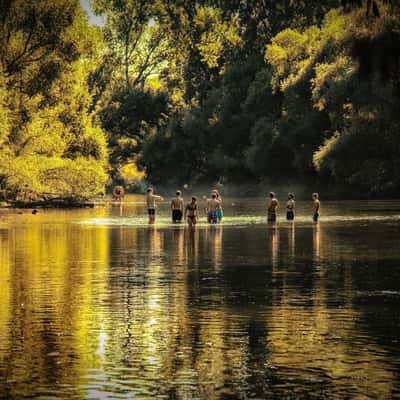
(192, 212)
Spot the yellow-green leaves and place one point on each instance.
(216, 35)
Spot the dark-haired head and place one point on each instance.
(272, 194)
(291, 196)
(194, 199)
(214, 196)
(178, 193)
(315, 195)
(149, 190)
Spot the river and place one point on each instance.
(96, 304)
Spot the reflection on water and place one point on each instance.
(292, 310)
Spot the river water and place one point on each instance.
(95, 304)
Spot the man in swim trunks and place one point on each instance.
(220, 213)
(290, 207)
(192, 212)
(151, 199)
(316, 206)
(272, 208)
(212, 209)
(177, 207)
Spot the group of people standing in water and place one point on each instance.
(290, 207)
(213, 208)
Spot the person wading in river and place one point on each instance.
(273, 207)
(212, 209)
(177, 207)
(192, 212)
(220, 213)
(316, 206)
(290, 206)
(151, 199)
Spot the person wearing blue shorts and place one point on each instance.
(220, 213)
(212, 209)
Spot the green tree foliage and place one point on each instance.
(128, 116)
(347, 72)
(49, 143)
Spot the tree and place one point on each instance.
(50, 145)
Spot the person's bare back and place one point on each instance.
(213, 204)
(177, 203)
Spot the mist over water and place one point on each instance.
(98, 304)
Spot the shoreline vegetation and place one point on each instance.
(286, 96)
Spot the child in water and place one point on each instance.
(316, 206)
(290, 207)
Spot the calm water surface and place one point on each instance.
(95, 304)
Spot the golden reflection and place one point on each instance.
(5, 273)
(316, 240)
(273, 235)
(192, 245)
(292, 239)
(114, 306)
(53, 284)
(321, 337)
(178, 242)
(214, 244)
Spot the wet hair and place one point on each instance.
(214, 195)
(315, 195)
(178, 193)
(194, 198)
(271, 194)
(149, 190)
(291, 196)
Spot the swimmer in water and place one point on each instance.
(151, 199)
(316, 206)
(192, 212)
(177, 207)
(290, 206)
(273, 207)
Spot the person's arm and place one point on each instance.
(172, 205)
(317, 207)
(186, 208)
(159, 198)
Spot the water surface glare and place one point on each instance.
(96, 304)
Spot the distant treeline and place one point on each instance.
(195, 92)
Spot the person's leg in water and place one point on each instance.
(152, 216)
(220, 214)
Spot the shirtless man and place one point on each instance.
(273, 206)
(177, 207)
(220, 213)
(290, 206)
(151, 199)
(316, 205)
(192, 212)
(213, 206)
